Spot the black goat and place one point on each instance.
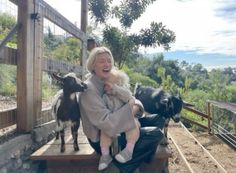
(157, 101)
(66, 107)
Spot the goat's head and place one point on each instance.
(71, 83)
(174, 105)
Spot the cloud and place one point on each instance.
(200, 25)
(226, 10)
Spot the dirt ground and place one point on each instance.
(200, 162)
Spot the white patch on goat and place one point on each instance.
(72, 96)
(60, 126)
(139, 92)
(63, 124)
(78, 81)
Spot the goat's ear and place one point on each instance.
(57, 77)
(137, 85)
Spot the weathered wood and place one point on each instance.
(209, 117)
(37, 61)
(196, 111)
(51, 65)
(45, 116)
(9, 36)
(86, 160)
(7, 117)
(55, 17)
(84, 15)
(8, 56)
(25, 65)
(51, 151)
(83, 58)
(194, 122)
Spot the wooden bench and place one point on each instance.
(86, 160)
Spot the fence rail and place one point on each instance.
(30, 62)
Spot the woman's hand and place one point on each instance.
(108, 87)
(131, 102)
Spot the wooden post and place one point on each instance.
(209, 116)
(28, 80)
(84, 21)
(91, 44)
(38, 55)
(84, 15)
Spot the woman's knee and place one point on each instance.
(152, 120)
(153, 132)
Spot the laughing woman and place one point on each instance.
(96, 117)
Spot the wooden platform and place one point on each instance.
(86, 160)
(51, 151)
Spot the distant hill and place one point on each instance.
(209, 61)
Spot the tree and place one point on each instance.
(120, 44)
(7, 72)
(127, 12)
(7, 22)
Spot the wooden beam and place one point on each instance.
(55, 17)
(25, 64)
(84, 15)
(9, 36)
(84, 23)
(51, 65)
(37, 61)
(8, 56)
(196, 112)
(193, 122)
(7, 117)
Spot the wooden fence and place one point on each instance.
(28, 57)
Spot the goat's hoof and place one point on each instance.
(76, 148)
(63, 150)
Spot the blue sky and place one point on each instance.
(205, 29)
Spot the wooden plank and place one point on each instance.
(73, 166)
(51, 151)
(8, 56)
(193, 122)
(25, 52)
(54, 16)
(51, 65)
(196, 112)
(37, 62)
(7, 118)
(84, 15)
(9, 36)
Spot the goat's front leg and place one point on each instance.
(63, 148)
(74, 132)
(165, 138)
(57, 135)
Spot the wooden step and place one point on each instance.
(86, 160)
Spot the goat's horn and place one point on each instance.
(57, 77)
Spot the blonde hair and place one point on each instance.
(120, 78)
(93, 55)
